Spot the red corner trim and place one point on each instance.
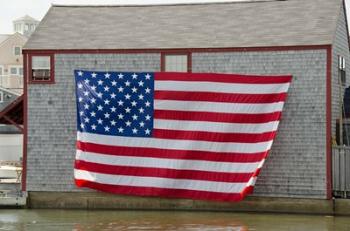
(329, 123)
(25, 122)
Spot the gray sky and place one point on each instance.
(13, 9)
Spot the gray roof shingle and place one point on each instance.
(249, 24)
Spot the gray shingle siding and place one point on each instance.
(340, 47)
(295, 167)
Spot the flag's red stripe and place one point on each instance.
(217, 117)
(171, 154)
(223, 78)
(220, 97)
(164, 192)
(213, 136)
(163, 172)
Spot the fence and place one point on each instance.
(341, 171)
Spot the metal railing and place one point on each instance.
(341, 171)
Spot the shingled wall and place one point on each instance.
(296, 166)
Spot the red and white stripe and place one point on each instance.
(212, 133)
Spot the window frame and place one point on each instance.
(20, 51)
(17, 67)
(187, 53)
(52, 69)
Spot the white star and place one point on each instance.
(99, 121)
(141, 110)
(107, 101)
(120, 89)
(141, 83)
(107, 75)
(81, 113)
(113, 96)
(87, 81)
(148, 90)
(80, 85)
(99, 107)
(82, 125)
(86, 93)
(99, 94)
(120, 76)
(93, 100)
(134, 76)
(94, 75)
(93, 127)
(113, 109)
(148, 104)
(120, 130)
(147, 131)
(113, 123)
(142, 124)
(120, 116)
(100, 82)
(128, 123)
(120, 103)
(114, 83)
(80, 99)
(106, 115)
(93, 114)
(127, 96)
(127, 110)
(148, 76)
(134, 90)
(80, 73)
(141, 96)
(133, 103)
(86, 106)
(148, 117)
(134, 131)
(106, 129)
(106, 88)
(87, 120)
(127, 83)
(93, 87)
(134, 117)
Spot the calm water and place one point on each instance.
(80, 220)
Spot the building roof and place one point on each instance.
(210, 25)
(25, 18)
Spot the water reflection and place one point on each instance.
(81, 220)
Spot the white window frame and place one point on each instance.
(17, 70)
(14, 50)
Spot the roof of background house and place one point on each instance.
(3, 37)
(207, 25)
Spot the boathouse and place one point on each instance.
(307, 39)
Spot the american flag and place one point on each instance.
(184, 135)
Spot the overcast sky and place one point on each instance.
(13, 9)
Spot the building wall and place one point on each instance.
(296, 166)
(340, 47)
(8, 59)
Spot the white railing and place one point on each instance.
(11, 81)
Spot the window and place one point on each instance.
(341, 67)
(17, 50)
(13, 70)
(41, 68)
(175, 62)
(16, 70)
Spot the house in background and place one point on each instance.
(11, 59)
(302, 38)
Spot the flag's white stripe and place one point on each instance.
(229, 147)
(194, 106)
(177, 164)
(243, 88)
(215, 126)
(157, 182)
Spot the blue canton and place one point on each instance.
(115, 103)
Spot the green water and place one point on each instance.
(80, 220)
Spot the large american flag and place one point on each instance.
(184, 135)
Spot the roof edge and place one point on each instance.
(169, 4)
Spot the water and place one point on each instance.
(81, 220)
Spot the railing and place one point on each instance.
(341, 171)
